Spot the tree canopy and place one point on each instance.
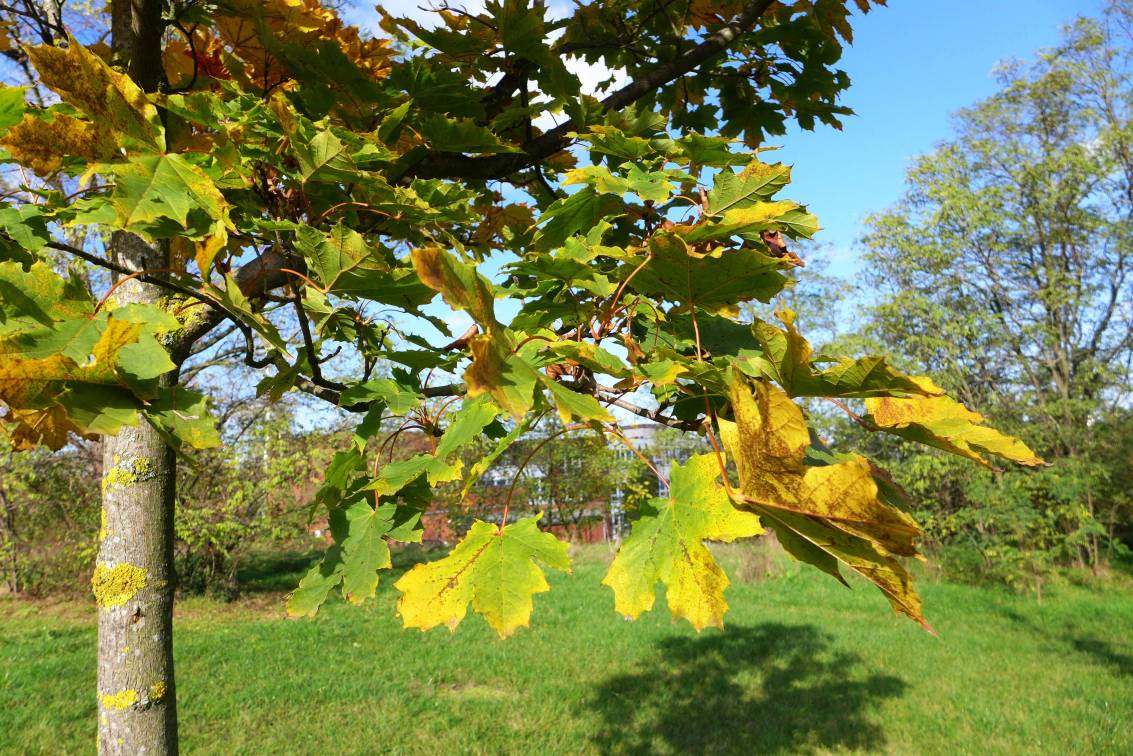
(308, 182)
(1005, 270)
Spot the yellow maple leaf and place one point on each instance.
(48, 427)
(301, 23)
(945, 423)
(108, 98)
(667, 545)
(41, 145)
(822, 512)
(494, 569)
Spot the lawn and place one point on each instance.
(804, 665)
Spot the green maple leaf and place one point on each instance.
(39, 298)
(581, 211)
(27, 229)
(493, 569)
(715, 281)
(757, 182)
(747, 222)
(667, 545)
(165, 195)
(184, 417)
(442, 465)
(461, 135)
(342, 260)
(787, 359)
(362, 534)
(12, 106)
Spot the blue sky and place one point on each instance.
(912, 65)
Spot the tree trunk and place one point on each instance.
(11, 541)
(134, 579)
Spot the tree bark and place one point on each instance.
(134, 578)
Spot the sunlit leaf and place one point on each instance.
(495, 570)
(833, 509)
(667, 545)
(943, 422)
(108, 98)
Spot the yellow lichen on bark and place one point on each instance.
(114, 586)
(120, 700)
(137, 469)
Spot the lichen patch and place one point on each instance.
(120, 700)
(132, 471)
(114, 586)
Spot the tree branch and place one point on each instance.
(459, 165)
(607, 394)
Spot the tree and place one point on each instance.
(570, 475)
(1005, 270)
(264, 166)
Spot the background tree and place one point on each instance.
(263, 168)
(1005, 270)
(48, 517)
(573, 476)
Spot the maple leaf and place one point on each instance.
(43, 144)
(50, 427)
(361, 549)
(492, 568)
(947, 424)
(667, 545)
(714, 281)
(787, 358)
(39, 298)
(91, 392)
(342, 259)
(442, 465)
(182, 415)
(108, 98)
(507, 377)
(515, 218)
(822, 513)
(458, 283)
(255, 30)
(756, 183)
(159, 196)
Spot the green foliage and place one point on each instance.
(49, 515)
(315, 191)
(1003, 271)
(246, 495)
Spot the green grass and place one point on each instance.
(804, 666)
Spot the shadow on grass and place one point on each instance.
(771, 688)
(1104, 652)
(1066, 634)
